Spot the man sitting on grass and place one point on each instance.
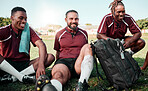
(15, 47)
(73, 54)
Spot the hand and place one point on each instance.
(126, 44)
(40, 71)
(141, 68)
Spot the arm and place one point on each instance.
(102, 36)
(134, 29)
(134, 38)
(103, 28)
(42, 57)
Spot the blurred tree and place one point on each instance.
(143, 23)
(4, 21)
(88, 24)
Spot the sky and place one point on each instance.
(43, 12)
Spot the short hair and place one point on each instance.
(114, 4)
(70, 11)
(15, 9)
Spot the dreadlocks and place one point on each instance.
(114, 4)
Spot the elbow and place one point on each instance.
(139, 34)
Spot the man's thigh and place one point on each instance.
(85, 50)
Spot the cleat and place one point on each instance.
(43, 84)
(47, 81)
(6, 79)
(38, 89)
(29, 79)
(82, 86)
(41, 81)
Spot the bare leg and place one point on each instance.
(34, 64)
(137, 45)
(50, 59)
(85, 50)
(84, 63)
(84, 67)
(145, 62)
(60, 75)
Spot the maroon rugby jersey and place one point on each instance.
(68, 45)
(115, 29)
(9, 43)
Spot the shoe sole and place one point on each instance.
(41, 82)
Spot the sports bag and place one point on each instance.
(120, 69)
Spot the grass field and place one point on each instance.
(141, 85)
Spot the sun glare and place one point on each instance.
(48, 15)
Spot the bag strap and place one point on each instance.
(97, 72)
(94, 58)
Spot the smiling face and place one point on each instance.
(19, 19)
(72, 20)
(119, 12)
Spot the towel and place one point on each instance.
(25, 40)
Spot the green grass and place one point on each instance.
(141, 85)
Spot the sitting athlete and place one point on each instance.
(14, 50)
(73, 54)
(116, 24)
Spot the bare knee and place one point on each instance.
(57, 75)
(50, 59)
(61, 73)
(86, 49)
(141, 42)
(87, 46)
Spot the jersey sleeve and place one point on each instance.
(133, 26)
(86, 36)
(103, 26)
(4, 32)
(34, 36)
(56, 42)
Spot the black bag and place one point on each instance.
(120, 69)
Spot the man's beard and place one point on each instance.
(73, 28)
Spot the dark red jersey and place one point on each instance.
(70, 45)
(9, 43)
(115, 29)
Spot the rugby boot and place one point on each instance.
(43, 84)
(82, 86)
(29, 79)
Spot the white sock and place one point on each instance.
(131, 52)
(56, 84)
(5, 66)
(86, 68)
(27, 71)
